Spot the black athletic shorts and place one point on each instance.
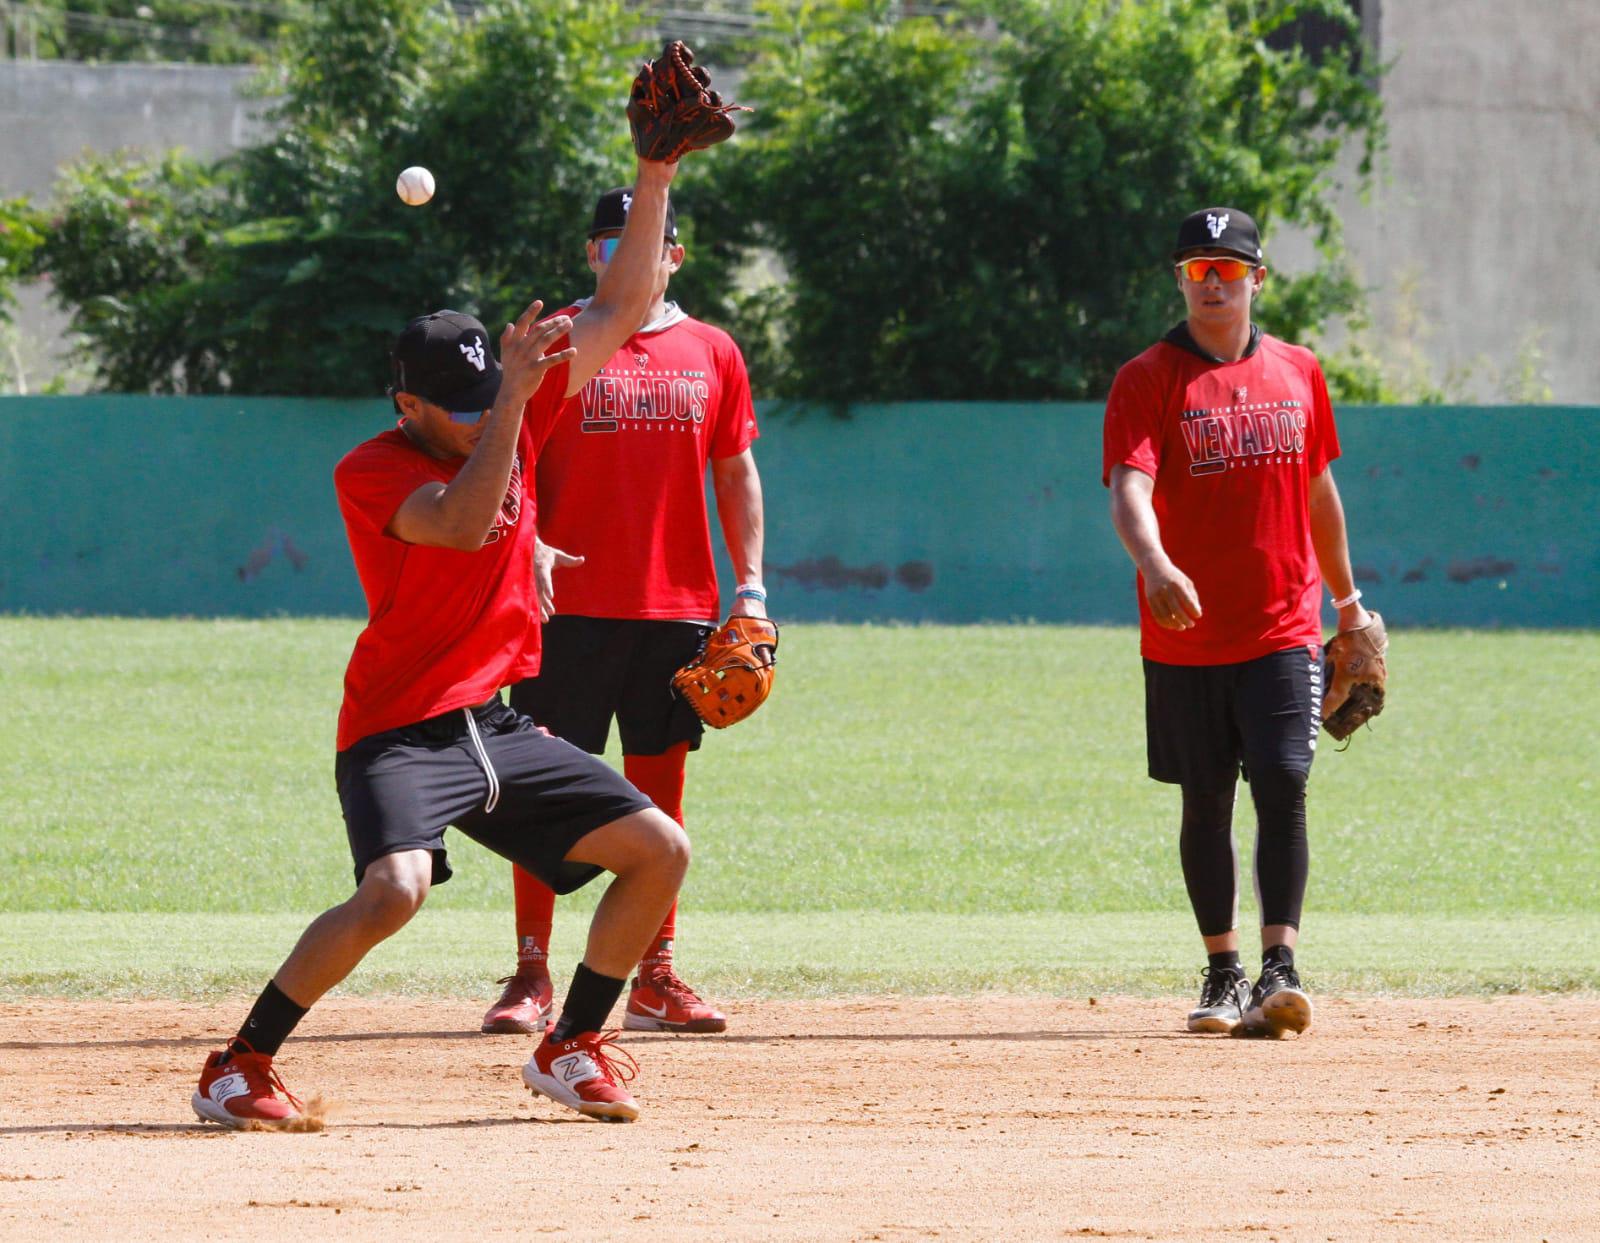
(1206, 723)
(595, 668)
(400, 789)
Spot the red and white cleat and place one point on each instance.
(243, 1093)
(585, 1073)
(524, 1008)
(661, 1002)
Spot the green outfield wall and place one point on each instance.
(936, 512)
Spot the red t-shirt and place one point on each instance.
(621, 479)
(1233, 448)
(445, 628)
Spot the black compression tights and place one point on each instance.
(1283, 858)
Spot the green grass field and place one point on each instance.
(918, 808)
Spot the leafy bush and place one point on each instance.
(971, 206)
(983, 208)
(288, 267)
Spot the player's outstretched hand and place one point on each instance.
(546, 560)
(523, 360)
(1173, 601)
(672, 108)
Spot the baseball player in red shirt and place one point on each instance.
(441, 526)
(621, 486)
(1218, 441)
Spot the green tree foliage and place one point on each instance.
(21, 234)
(206, 31)
(982, 208)
(288, 268)
(974, 205)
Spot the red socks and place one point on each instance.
(536, 904)
(660, 779)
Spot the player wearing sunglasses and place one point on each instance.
(1217, 447)
(621, 483)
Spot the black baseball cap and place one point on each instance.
(445, 358)
(1224, 229)
(611, 213)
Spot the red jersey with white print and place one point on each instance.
(1233, 447)
(622, 476)
(446, 629)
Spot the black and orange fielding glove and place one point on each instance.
(672, 108)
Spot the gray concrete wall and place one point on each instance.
(1481, 243)
(51, 112)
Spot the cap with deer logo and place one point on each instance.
(1223, 230)
(445, 358)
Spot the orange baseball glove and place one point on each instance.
(732, 675)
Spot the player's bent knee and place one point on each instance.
(389, 896)
(644, 841)
(664, 846)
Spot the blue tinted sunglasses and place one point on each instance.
(607, 246)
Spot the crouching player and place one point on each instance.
(439, 514)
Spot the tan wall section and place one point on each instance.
(1486, 232)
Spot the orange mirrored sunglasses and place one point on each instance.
(1227, 269)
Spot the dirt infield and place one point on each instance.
(870, 1118)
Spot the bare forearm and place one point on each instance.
(743, 519)
(1170, 595)
(1331, 542)
(466, 508)
(1329, 538)
(1134, 518)
(627, 285)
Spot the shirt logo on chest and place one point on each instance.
(1263, 433)
(654, 400)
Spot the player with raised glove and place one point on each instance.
(621, 482)
(673, 109)
(732, 675)
(1355, 675)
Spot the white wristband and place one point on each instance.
(751, 591)
(1348, 600)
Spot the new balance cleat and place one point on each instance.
(661, 1002)
(1278, 1004)
(244, 1093)
(524, 1007)
(1224, 994)
(585, 1073)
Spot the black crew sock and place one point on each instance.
(588, 1002)
(1227, 960)
(1278, 953)
(269, 1023)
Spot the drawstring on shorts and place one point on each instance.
(483, 758)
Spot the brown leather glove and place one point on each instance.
(1355, 673)
(732, 675)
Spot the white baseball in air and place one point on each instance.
(415, 185)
